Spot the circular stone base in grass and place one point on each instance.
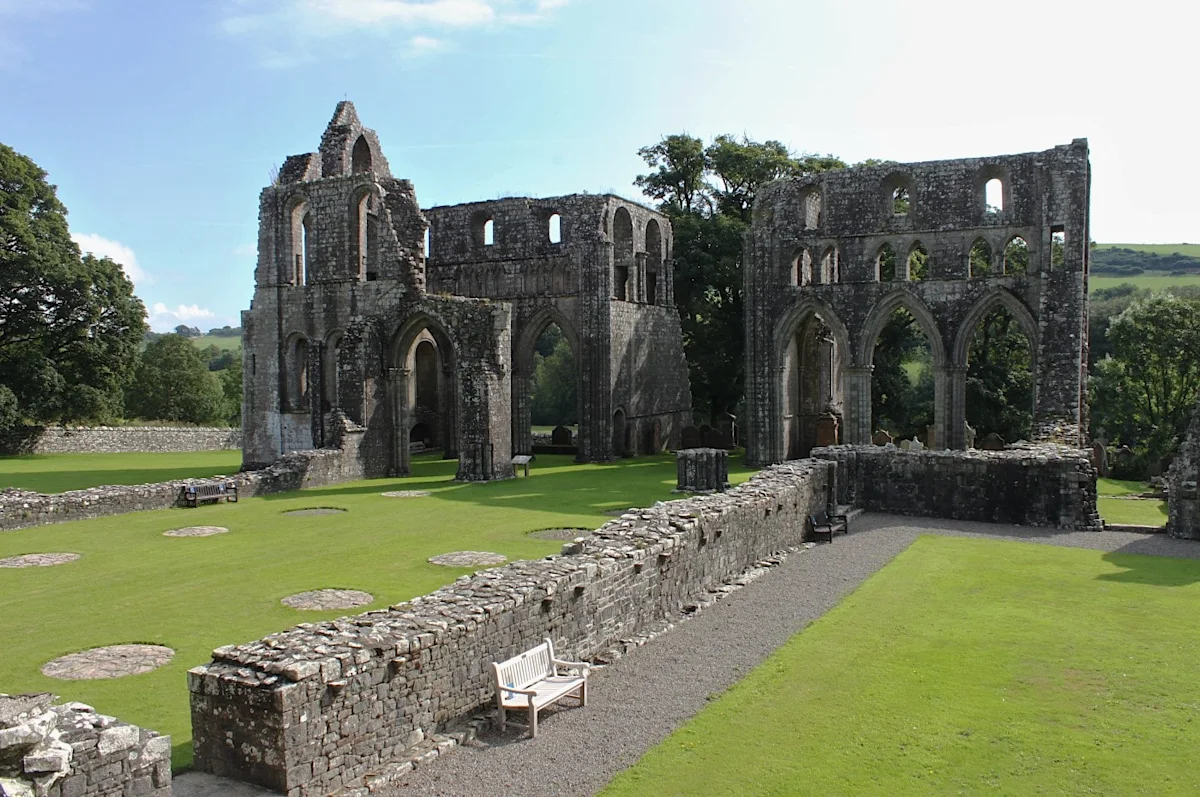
(321, 599)
(39, 560)
(406, 494)
(559, 534)
(468, 559)
(316, 510)
(115, 661)
(196, 531)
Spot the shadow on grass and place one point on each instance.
(1152, 567)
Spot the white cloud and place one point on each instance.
(117, 252)
(165, 319)
(245, 250)
(302, 22)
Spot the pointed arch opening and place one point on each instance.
(300, 244)
(623, 258)
(802, 267)
(885, 264)
(830, 270)
(330, 378)
(296, 396)
(993, 196)
(546, 385)
(426, 391)
(812, 209)
(813, 355)
(360, 159)
(979, 259)
(902, 379)
(654, 260)
(999, 380)
(918, 263)
(1016, 257)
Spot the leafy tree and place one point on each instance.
(999, 380)
(187, 332)
(708, 192)
(70, 326)
(554, 390)
(1143, 393)
(900, 404)
(173, 383)
(231, 387)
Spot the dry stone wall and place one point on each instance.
(122, 439)
(1183, 500)
(71, 751)
(317, 708)
(1030, 485)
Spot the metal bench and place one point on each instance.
(532, 681)
(196, 494)
(825, 525)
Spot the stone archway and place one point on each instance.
(524, 346)
(424, 389)
(812, 354)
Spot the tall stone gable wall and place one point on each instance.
(307, 711)
(627, 339)
(127, 439)
(850, 215)
(1183, 501)
(1035, 485)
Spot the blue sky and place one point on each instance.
(160, 121)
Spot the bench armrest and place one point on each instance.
(578, 665)
(842, 518)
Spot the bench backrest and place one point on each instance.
(529, 667)
(820, 519)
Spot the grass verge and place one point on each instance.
(56, 473)
(964, 667)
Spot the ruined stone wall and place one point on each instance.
(71, 751)
(816, 268)
(122, 439)
(1030, 485)
(297, 470)
(1183, 500)
(307, 711)
(605, 279)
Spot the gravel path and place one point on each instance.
(636, 702)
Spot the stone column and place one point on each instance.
(397, 388)
(941, 408)
(956, 407)
(701, 470)
(858, 405)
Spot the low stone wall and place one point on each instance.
(122, 439)
(314, 709)
(1183, 497)
(1029, 485)
(71, 751)
(318, 468)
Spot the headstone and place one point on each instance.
(931, 441)
(827, 430)
(881, 438)
(709, 438)
(915, 445)
(993, 442)
(701, 470)
(561, 436)
(689, 437)
(1100, 459)
(969, 436)
(905, 445)
(727, 425)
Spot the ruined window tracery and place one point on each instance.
(979, 259)
(885, 264)
(918, 262)
(812, 209)
(1016, 257)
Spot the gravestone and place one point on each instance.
(689, 437)
(931, 441)
(905, 445)
(827, 430)
(915, 445)
(969, 436)
(727, 426)
(881, 438)
(561, 436)
(993, 442)
(1100, 459)
(701, 470)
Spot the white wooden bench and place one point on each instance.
(531, 681)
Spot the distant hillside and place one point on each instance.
(222, 342)
(1133, 260)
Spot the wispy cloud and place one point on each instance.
(288, 31)
(164, 319)
(116, 251)
(245, 250)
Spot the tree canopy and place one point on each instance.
(708, 192)
(70, 325)
(173, 383)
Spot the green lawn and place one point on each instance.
(965, 667)
(194, 594)
(56, 473)
(1125, 511)
(222, 342)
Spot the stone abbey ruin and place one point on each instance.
(831, 256)
(375, 324)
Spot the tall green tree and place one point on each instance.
(173, 383)
(555, 389)
(999, 380)
(70, 326)
(708, 192)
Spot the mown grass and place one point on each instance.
(222, 342)
(1128, 511)
(194, 594)
(56, 473)
(964, 667)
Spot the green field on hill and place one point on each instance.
(965, 666)
(1191, 250)
(1151, 280)
(222, 342)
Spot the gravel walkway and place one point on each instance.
(639, 700)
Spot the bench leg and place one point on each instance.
(501, 716)
(583, 694)
(532, 721)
